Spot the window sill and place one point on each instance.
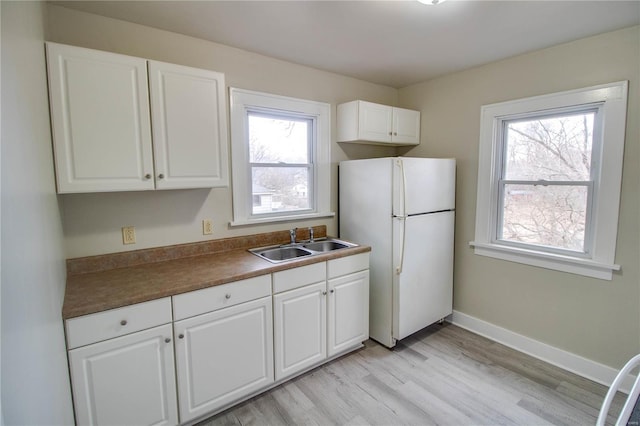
(271, 219)
(572, 265)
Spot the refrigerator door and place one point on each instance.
(365, 218)
(423, 280)
(423, 185)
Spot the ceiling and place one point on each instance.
(394, 43)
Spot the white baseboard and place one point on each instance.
(581, 366)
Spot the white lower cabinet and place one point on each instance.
(230, 341)
(222, 356)
(300, 333)
(314, 318)
(126, 380)
(348, 311)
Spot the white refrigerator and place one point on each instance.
(404, 208)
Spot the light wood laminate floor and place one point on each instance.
(443, 375)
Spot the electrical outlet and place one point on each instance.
(207, 227)
(128, 235)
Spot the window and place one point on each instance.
(549, 177)
(546, 180)
(280, 158)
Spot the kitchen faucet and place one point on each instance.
(292, 233)
(310, 234)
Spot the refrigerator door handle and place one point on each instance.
(403, 191)
(404, 226)
(402, 217)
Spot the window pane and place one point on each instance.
(275, 139)
(551, 148)
(553, 215)
(277, 189)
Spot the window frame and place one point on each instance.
(244, 102)
(598, 260)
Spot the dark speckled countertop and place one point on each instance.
(99, 283)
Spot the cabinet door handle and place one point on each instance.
(147, 176)
(324, 293)
(123, 322)
(390, 133)
(160, 176)
(395, 133)
(227, 296)
(167, 340)
(180, 336)
(331, 291)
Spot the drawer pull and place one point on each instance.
(167, 340)
(180, 336)
(227, 296)
(123, 322)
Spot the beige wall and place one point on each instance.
(597, 319)
(35, 377)
(92, 222)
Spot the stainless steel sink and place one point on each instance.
(277, 254)
(327, 245)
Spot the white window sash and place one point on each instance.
(499, 222)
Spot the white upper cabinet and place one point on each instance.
(100, 120)
(367, 122)
(103, 123)
(189, 126)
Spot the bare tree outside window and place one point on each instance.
(546, 180)
(280, 159)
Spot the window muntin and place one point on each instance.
(545, 186)
(280, 161)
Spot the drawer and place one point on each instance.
(105, 325)
(298, 277)
(347, 265)
(221, 296)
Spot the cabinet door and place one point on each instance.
(100, 120)
(406, 126)
(189, 126)
(222, 356)
(127, 380)
(348, 311)
(374, 122)
(300, 329)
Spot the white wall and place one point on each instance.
(598, 320)
(35, 380)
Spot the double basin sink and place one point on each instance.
(277, 254)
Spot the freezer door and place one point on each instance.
(423, 185)
(423, 288)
